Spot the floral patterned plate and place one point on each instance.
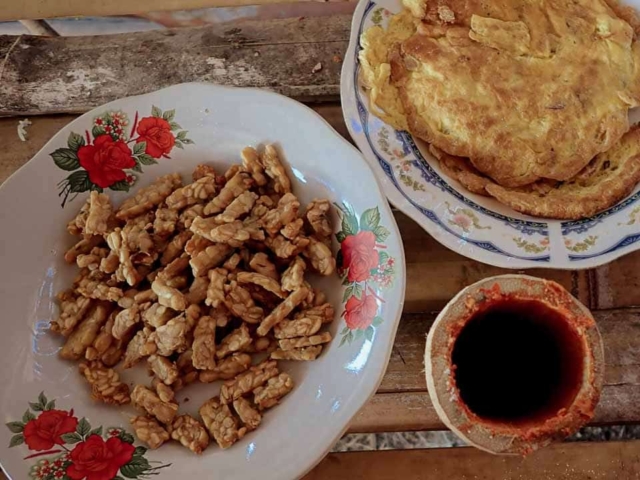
(472, 225)
(53, 429)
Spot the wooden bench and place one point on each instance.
(57, 78)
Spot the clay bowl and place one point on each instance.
(513, 363)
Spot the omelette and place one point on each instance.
(608, 178)
(526, 90)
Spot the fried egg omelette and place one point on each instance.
(608, 178)
(526, 90)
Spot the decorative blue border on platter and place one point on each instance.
(625, 242)
(586, 224)
(431, 176)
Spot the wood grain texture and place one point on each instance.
(74, 74)
(568, 461)
(22, 9)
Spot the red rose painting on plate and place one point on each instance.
(114, 152)
(69, 449)
(365, 268)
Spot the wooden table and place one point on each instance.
(53, 77)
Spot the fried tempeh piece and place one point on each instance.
(149, 431)
(103, 341)
(234, 233)
(301, 354)
(284, 248)
(239, 302)
(165, 222)
(97, 222)
(93, 259)
(105, 384)
(165, 392)
(118, 245)
(168, 296)
(303, 327)
(292, 230)
(73, 309)
(199, 191)
(236, 341)
(215, 290)
(248, 381)
(324, 312)
(209, 258)
(158, 315)
(235, 186)
(147, 400)
(106, 348)
(83, 336)
(125, 322)
(274, 168)
(282, 310)
(251, 162)
(203, 170)
(164, 369)
(84, 246)
(188, 215)
(317, 215)
(227, 368)
(240, 206)
(190, 433)
(140, 346)
(295, 343)
(204, 344)
(149, 197)
(268, 283)
(197, 291)
(320, 256)
(172, 337)
(221, 423)
(175, 247)
(76, 225)
(260, 263)
(271, 394)
(249, 416)
(293, 276)
(285, 213)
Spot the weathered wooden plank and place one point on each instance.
(74, 74)
(617, 284)
(18, 10)
(565, 461)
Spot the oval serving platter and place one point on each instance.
(472, 225)
(51, 422)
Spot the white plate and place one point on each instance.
(472, 225)
(218, 122)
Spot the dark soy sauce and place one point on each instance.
(517, 362)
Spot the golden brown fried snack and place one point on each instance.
(609, 178)
(518, 89)
(83, 336)
(105, 384)
(149, 431)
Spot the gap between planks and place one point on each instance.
(564, 461)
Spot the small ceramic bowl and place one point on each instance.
(514, 362)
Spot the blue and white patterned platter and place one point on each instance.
(472, 225)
